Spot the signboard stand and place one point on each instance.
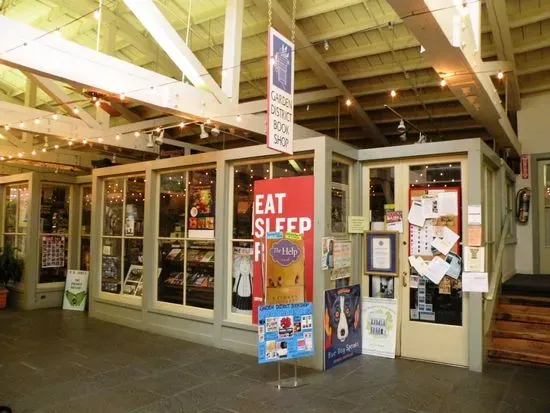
(292, 382)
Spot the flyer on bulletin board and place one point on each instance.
(285, 332)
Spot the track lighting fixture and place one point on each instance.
(421, 138)
(203, 134)
(215, 131)
(401, 127)
(150, 141)
(159, 140)
(326, 45)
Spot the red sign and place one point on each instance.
(524, 166)
(282, 205)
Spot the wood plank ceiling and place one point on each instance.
(364, 42)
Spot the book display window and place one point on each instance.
(16, 217)
(122, 236)
(186, 238)
(54, 232)
(85, 226)
(339, 198)
(242, 243)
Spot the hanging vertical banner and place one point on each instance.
(524, 166)
(280, 93)
(281, 205)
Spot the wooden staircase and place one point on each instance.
(521, 332)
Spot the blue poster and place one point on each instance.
(285, 331)
(342, 324)
(282, 66)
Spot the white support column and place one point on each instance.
(232, 44)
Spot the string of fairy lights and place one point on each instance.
(124, 95)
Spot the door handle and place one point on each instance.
(405, 278)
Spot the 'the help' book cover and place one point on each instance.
(285, 268)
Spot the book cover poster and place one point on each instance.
(342, 325)
(285, 275)
(76, 290)
(201, 212)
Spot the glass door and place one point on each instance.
(433, 316)
(543, 192)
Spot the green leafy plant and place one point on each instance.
(11, 266)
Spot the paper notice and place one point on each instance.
(474, 235)
(474, 214)
(356, 224)
(419, 265)
(429, 206)
(415, 280)
(394, 221)
(474, 259)
(445, 286)
(447, 203)
(445, 240)
(416, 214)
(437, 268)
(475, 282)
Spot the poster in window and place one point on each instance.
(242, 280)
(201, 211)
(53, 252)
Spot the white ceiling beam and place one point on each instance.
(304, 98)
(187, 145)
(145, 125)
(125, 112)
(77, 65)
(474, 90)
(323, 71)
(233, 35)
(309, 9)
(502, 39)
(57, 93)
(174, 46)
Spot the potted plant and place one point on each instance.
(11, 271)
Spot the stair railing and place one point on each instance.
(496, 275)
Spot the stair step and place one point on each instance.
(522, 335)
(523, 309)
(525, 300)
(521, 327)
(517, 356)
(521, 344)
(523, 317)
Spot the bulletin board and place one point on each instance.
(453, 222)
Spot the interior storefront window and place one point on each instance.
(54, 229)
(339, 198)
(122, 243)
(85, 226)
(16, 217)
(244, 176)
(438, 187)
(186, 238)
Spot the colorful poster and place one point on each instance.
(285, 332)
(53, 251)
(76, 290)
(201, 212)
(342, 254)
(282, 205)
(379, 324)
(284, 268)
(394, 221)
(342, 324)
(327, 253)
(280, 92)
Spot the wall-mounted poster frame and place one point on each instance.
(381, 253)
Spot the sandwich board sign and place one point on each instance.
(280, 93)
(76, 290)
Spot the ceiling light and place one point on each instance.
(20, 154)
(10, 157)
(97, 14)
(55, 116)
(117, 137)
(100, 140)
(208, 121)
(150, 142)
(422, 49)
(36, 121)
(443, 83)
(2, 158)
(21, 124)
(401, 127)
(97, 103)
(56, 146)
(157, 130)
(182, 125)
(393, 93)
(136, 134)
(307, 108)
(166, 36)
(348, 102)
(70, 143)
(44, 150)
(75, 111)
(500, 75)
(239, 118)
(203, 134)
(160, 139)
(215, 131)
(7, 127)
(84, 141)
(33, 153)
(326, 45)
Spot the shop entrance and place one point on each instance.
(543, 194)
(433, 317)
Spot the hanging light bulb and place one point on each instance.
(100, 139)
(70, 143)
(44, 150)
(500, 75)
(21, 124)
(75, 111)
(55, 116)
(393, 93)
(136, 134)
(157, 130)
(348, 102)
(7, 127)
(20, 154)
(117, 137)
(84, 141)
(37, 121)
(97, 103)
(326, 45)
(182, 125)
(97, 14)
(239, 118)
(33, 153)
(443, 83)
(56, 146)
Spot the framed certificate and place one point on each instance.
(381, 253)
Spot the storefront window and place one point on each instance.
(16, 216)
(186, 238)
(339, 198)
(54, 230)
(85, 226)
(438, 187)
(244, 176)
(122, 236)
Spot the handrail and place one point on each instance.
(496, 274)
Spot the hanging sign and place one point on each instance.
(280, 93)
(281, 205)
(285, 332)
(524, 166)
(76, 290)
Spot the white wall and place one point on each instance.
(533, 136)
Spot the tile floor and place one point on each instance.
(54, 361)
